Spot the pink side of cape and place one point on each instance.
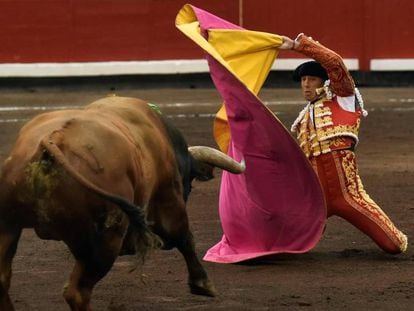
(277, 204)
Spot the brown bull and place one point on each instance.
(107, 180)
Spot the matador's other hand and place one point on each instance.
(287, 44)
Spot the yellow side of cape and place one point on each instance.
(248, 55)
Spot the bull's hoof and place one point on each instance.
(204, 288)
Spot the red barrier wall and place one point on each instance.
(363, 29)
(123, 30)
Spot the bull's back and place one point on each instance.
(142, 122)
(95, 144)
(107, 127)
(142, 125)
(36, 191)
(118, 144)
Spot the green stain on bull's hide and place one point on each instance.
(43, 178)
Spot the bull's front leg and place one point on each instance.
(170, 221)
(198, 280)
(168, 217)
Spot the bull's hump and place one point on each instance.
(132, 112)
(116, 101)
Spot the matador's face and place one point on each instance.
(309, 85)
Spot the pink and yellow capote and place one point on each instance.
(277, 204)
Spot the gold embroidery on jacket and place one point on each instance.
(338, 141)
(322, 137)
(340, 130)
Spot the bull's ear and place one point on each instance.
(204, 171)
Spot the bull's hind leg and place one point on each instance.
(8, 246)
(89, 269)
(93, 261)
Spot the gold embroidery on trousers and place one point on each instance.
(354, 193)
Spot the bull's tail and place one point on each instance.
(146, 240)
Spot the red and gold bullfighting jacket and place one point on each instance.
(331, 121)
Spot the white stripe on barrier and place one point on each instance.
(84, 69)
(392, 64)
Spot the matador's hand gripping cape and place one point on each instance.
(277, 204)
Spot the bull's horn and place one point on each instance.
(217, 158)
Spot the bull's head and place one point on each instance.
(203, 160)
(208, 158)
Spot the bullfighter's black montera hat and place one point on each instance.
(310, 68)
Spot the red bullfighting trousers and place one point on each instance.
(345, 197)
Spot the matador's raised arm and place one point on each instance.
(341, 81)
